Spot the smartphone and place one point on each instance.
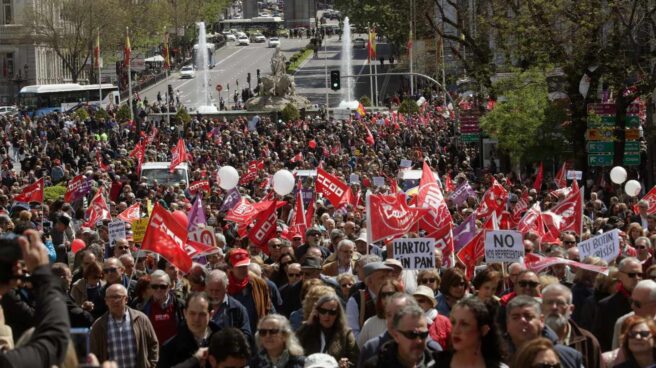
(81, 342)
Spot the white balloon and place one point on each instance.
(228, 177)
(632, 188)
(618, 175)
(283, 182)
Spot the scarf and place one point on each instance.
(236, 286)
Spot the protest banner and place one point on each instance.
(204, 235)
(379, 181)
(503, 246)
(139, 229)
(415, 253)
(116, 231)
(605, 246)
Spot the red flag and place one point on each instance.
(151, 137)
(297, 158)
(245, 211)
(101, 164)
(390, 216)
(166, 51)
(650, 198)
(265, 227)
(197, 249)
(475, 249)
(299, 223)
(139, 152)
(430, 196)
(493, 200)
(561, 176)
(532, 221)
(98, 210)
(168, 238)
(131, 213)
(331, 187)
(444, 241)
(127, 50)
(199, 185)
(251, 174)
(76, 188)
(449, 186)
(178, 155)
(370, 137)
(566, 215)
(537, 184)
(32, 192)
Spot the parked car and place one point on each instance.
(243, 41)
(231, 37)
(274, 42)
(8, 110)
(359, 43)
(187, 71)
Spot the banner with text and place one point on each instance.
(605, 246)
(503, 246)
(415, 253)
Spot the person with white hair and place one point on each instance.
(226, 311)
(163, 309)
(643, 304)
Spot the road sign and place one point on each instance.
(631, 158)
(471, 137)
(632, 134)
(600, 160)
(599, 134)
(602, 108)
(632, 121)
(219, 88)
(632, 146)
(601, 147)
(601, 121)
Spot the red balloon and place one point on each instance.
(181, 217)
(77, 245)
(313, 144)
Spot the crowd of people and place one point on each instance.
(322, 298)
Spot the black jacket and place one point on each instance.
(19, 311)
(178, 351)
(610, 309)
(49, 343)
(387, 357)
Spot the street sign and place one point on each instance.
(632, 134)
(219, 88)
(601, 147)
(471, 138)
(600, 160)
(599, 134)
(602, 108)
(632, 146)
(631, 158)
(632, 121)
(574, 174)
(601, 121)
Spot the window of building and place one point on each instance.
(7, 65)
(7, 12)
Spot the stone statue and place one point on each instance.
(278, 63)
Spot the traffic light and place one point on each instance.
(258, 73)
(248, 78)
(335, 83)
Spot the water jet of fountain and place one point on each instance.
(203, 102)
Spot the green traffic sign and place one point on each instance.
(471, 138)
(600, 160)
(632, 146)
(601, 121)
(632, 121)
(600, 147)
(631, 158)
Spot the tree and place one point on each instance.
(408, 106)
(70, 28)
(290, 113)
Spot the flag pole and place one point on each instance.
(371, 80)
(167, 64)
(100, 99)
(127, 35)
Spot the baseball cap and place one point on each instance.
(239, 257)
(372, 267)
(320, 360)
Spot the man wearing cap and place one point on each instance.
(312, 239)
(362, 304)
(253, 292)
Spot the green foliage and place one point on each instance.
(101, 114)
(290, 113)
(82, 114)
(123, 113)
(183, 116)
(297, 59)
(365, 101)
(55, 192)
(408, 106)
(524, 121)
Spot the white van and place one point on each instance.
(160, 171)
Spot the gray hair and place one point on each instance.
(369, 258)
(559, 288)
(521, 302)
(291, 341)
(622, 265)
(220, 238)
(218, 276)
(646, 239)
(649, 285)
(255, 268)
(161, 274)
(344, 242)
(126, 256)
(409, 310)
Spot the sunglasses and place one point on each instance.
(160, 287)
(633, 275)
(290, 275)
(346, 284)
(330, 312)
(110, 270)
(271, 331)
(427, 281)
(531, 284)
(546, 365)
(413, 335)
(641, 247)
(642, 334)
(123, 248)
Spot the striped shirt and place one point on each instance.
(121, 341)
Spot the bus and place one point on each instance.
(39, 100)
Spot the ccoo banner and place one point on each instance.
(415, 253)
(605, 246)
(503, 246)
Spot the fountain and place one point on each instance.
(346, 68)
(203, 101)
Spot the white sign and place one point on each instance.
(503, 246)
(605, 246)
(414, 253)
(405, 164)
(204, 235)
(379, 181)
(376, 250)
(116, 231)
(354, 179)
(573, 174)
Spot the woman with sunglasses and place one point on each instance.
(376, 325)
(538, 353)
(452, 289)
(326, 331)
(474, 340)
(638, 343)
(277, 345)
(430, 278)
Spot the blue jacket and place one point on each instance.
(234, 315)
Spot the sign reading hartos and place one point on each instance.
(415, 253)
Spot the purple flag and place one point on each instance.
(231, 199)
(462, 192)
(464, 232)
(197, 215)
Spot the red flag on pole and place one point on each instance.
(131, 213)
(265, 227)
(32, 192)
(561, 176)
(650, 198)
(389, 216)
(299, 224)
(179, 155)
(167, 237)
(537, 184)
(493, 200)
(370, 137)
(332, 188)
(101, 164)
(127, 50)
(98, 210)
